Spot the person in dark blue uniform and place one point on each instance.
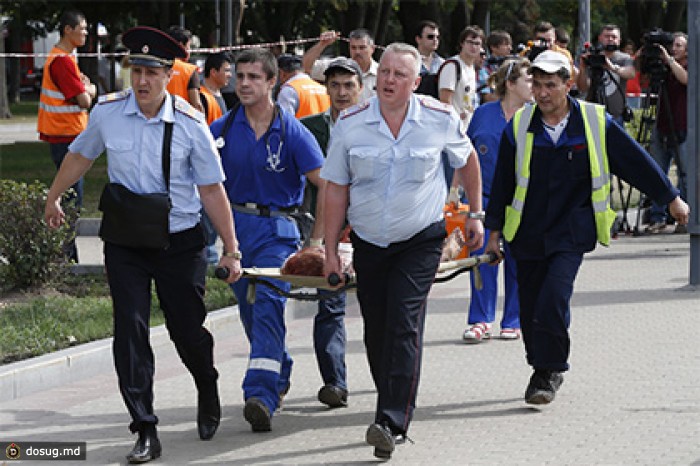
(130, 125)
(550, 199)
(267, 157)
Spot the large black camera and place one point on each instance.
(536, 47)
(596, 57)
(651, 62)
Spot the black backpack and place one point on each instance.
(429, 82)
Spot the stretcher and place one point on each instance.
(263, 276)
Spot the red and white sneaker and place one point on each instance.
(477, 333)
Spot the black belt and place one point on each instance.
(264, 210)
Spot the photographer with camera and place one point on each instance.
(545, 38)
(668, 138)
(604, 73)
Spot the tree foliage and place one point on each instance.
(388, 20)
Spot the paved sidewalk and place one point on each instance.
(631, 397)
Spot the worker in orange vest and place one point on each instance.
(299, 94)
(185, 79)
(66, 94)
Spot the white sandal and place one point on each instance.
(477, 333)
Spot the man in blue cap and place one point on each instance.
(148, 120)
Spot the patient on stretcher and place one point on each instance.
(309, 261)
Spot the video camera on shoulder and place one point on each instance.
(535, 48)
(651, 62)
(596, 54)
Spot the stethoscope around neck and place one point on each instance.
(273, 158)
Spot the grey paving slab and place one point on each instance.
(632, 395)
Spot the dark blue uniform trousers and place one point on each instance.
(392, 287)
(329, 340)
(545, 287)
(179, 275)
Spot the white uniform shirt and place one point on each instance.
(397, 185)
(134, 151)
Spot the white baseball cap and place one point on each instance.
(551, 62)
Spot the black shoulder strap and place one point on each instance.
(458, 71)
(167, 141)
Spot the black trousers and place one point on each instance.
(545, 288)
(179, 275)
(392, 288)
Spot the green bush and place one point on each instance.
(32, 253)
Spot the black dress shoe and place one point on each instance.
(208, 415)
(147, 447)
(382, 439)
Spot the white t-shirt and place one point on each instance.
(464, 97)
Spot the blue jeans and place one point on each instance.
(663, 151)
(329, 340)
(58, 153)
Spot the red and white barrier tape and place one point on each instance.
(192, 51)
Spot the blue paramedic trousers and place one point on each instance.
(265, 242)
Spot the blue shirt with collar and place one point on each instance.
(558, 213)
(270, 170)
(397, 185)
(134, 147)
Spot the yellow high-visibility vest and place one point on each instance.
(594, 123)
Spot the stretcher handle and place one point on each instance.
(334, 279)
(222, 273)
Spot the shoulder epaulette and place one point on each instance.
(113, 97)
(184, 107)
(434, 104)
(354, 110)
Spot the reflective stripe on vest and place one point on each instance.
(313, 98)
(58, 116)
(594, 125)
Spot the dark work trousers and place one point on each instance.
(329, 340)
(392, 287)
(58, 153)
(179, 273)
(545, 288)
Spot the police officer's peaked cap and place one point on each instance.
(151, 47)
(288, 62)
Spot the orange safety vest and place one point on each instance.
(212, 108)
(182, 72)
(312, 96)
(58, 116)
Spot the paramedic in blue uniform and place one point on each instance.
(129, 125)
(267, 157)
(384, 169)
(550, 199)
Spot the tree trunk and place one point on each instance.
(674, 15)
(4, 103)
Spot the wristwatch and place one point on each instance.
(477, 215)
(235, 254)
